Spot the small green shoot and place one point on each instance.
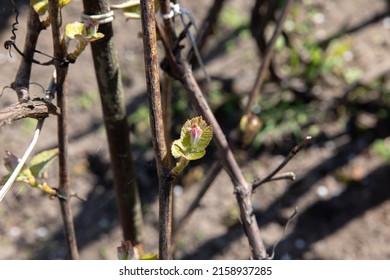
(35, 173)
(195, 136)
(41, 6)
(84, 33)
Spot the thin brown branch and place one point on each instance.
(180, 69)
(113, 104)
(283, 176)
(157, 129)
(37, 108)
(292, 153)
(62, 71)
(22, 79)
(241, 187)
(267, 59)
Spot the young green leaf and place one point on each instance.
(84, 33)
(41, 161)
(195, 136)
(10, 163)
(40, 6)
(72, 29)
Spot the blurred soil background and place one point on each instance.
(330, 81)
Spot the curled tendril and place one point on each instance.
(12, 43)
(9, 43)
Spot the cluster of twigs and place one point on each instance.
(179, 68)
(176, 66)
(42, 108)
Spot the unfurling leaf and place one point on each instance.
(72, 29)
(195, 136)
(41, 161)
(84, 33)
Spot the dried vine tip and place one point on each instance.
(195, 136)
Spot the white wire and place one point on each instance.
(7, 186)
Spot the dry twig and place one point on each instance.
(271, 176)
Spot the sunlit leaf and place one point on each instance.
(84, 33)
(195, 136)
(41, 161)
(74, 28)
(40, 6)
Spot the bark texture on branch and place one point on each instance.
(37, 108)
(157, 129)
(60, 53)
(114, 110)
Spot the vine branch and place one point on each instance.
(60, 52)
(22, 79)
(36, 108)
(181, 70)
(271, 176)
(157, 129)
